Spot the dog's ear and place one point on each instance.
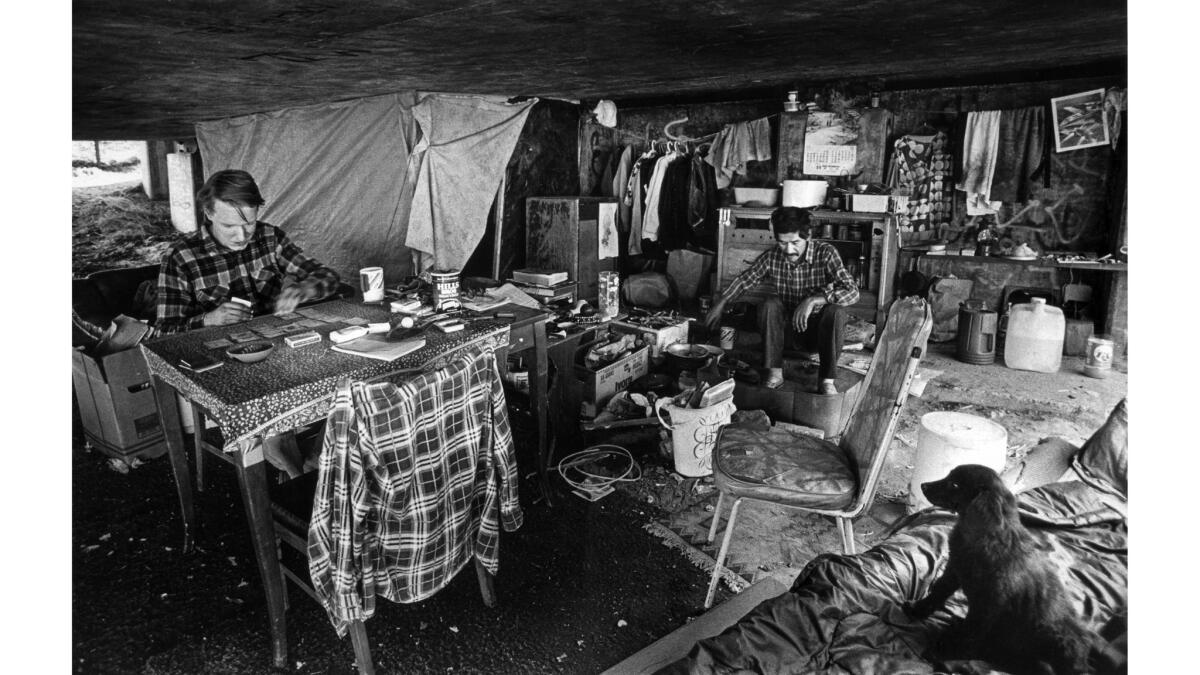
(993, 506)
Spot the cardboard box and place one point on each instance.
(117, 405)
(600, 385)
(657, 339)
(796, 403)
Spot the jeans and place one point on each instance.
(826, 333)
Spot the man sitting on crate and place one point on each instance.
(807, 308)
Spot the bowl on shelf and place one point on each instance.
(757, 197)
(251, 352)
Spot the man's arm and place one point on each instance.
(840, 289)
(313, 280)
(176, 309)
(749, 278)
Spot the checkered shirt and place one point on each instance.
(415, 479)
(819, 272)
(198, 274)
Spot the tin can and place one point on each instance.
(827, 231)
(1099, 357)
(445, 290)
(370, 280)
(728, 337)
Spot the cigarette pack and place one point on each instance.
(347, 334)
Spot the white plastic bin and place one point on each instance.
(950, 439)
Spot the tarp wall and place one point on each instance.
(333, 176)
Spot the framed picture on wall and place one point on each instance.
(1079, 121)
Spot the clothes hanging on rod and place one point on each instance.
(737, 144)
(923, 168)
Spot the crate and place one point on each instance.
(117, 404)
(657, 339)
(598, 386)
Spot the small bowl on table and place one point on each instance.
(251, 352)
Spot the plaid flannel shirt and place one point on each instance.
(819, 272)
(415, 479)
(198, 274)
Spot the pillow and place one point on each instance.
(1103, 461)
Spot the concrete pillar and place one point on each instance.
(184, 178)
(153, 156)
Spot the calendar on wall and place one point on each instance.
(830, 160)
(830, 144)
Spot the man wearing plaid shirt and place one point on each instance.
(811, 288)
(234, 256)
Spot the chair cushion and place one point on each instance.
(783, 467)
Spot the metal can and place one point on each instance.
(827, 231)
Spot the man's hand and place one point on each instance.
(804, 310)
(290, 297)
(713, 318)
(228, 312)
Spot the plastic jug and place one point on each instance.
(1034, 339)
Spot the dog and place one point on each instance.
(1019, 615)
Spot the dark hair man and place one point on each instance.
(233, 255)
(811, 288)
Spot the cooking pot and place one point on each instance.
(682, 356)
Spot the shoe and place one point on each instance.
(773, 383)
(827, 388)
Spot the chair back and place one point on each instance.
(873, 418)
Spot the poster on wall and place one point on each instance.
(830, 144)
(1079, 121)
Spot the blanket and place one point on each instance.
(844, 614)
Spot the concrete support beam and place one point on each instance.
(185, 178)
(153, 157)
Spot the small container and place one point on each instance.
(1034, 337)
(728, 337)
(1099, 357)
(445, 290)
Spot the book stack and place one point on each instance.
(546, 286)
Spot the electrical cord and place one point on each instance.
(592, 482)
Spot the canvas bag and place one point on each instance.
(651, 290)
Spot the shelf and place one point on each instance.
(1046, 264)
(853, 216)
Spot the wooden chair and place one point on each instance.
(292, 508)
(817, 475)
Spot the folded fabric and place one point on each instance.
(1020, 153)
(979, 161)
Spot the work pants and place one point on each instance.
(825, 334)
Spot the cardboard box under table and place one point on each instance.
(117, 405)
(795, 401)
(601, 384)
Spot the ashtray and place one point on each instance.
(251, 352)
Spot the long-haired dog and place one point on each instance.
(1019, 616)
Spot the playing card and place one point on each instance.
(218, 343)
(357, 321)
(311, 323)
(244, 336)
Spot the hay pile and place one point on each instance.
(117, 226)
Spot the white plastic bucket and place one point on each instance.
(693, 433)
(949, 439)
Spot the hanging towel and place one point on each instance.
(1020, 153)
(874, 130)
(737, 144)
(979, 160)
(458, 162)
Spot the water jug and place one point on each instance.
(1034, 339)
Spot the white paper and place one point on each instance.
(515, 295)
(607, 231)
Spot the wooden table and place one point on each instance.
(290, 389)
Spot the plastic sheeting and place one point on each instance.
(459, 162)
(333, 176)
